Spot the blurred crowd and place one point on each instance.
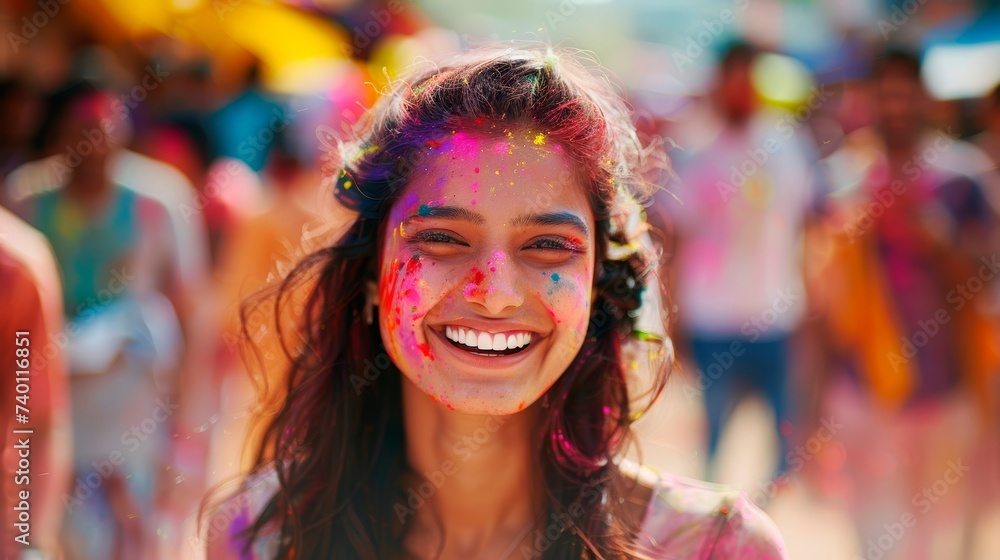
(836, 252)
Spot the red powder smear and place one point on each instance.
(388, 292)
(475, 287)
(413, 265)
(520, 405)
(553, 315)
(433, 143)
(477, 170)
(425, 350)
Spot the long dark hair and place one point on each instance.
(337, 443)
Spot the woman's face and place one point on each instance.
(486, 271)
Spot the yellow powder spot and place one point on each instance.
(539, 139)
(402, 232)
(347, 184)
(510, 134)
(512, 183)
(497, 172)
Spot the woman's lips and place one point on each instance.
(481, 360)
(473, 339)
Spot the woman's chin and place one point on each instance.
(494, 397)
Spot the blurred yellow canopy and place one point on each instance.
(284, 38)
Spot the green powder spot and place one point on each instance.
(555, 277)
(424, 210)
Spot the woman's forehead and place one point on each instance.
(478, 169)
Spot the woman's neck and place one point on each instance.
(482, 486)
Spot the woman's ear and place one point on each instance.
(371, 301)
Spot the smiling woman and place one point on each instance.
(499, 236)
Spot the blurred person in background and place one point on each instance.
(747, 183)
(20, 109)
(121, 286)
(31, 327)
(912, 235)
(989, 142)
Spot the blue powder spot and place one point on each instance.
(424, 210)
(555, 277)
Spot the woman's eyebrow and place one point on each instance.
(447, 213)
(552, 219)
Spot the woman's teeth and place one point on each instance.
(487, 341)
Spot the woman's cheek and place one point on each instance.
(403, 296)
(567, 298)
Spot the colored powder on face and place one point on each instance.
(464, 146)
(475, 184)
(474, 286)
(477, 170)
(413, 265)
(425, 350)
(424, 210)
(555, 277)
(539, 139)
(501, 148)
(553, 315)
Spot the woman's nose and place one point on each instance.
(495, 285)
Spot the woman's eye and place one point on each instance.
(437, 237)
(555, 245)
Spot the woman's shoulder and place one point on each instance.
(687, 518)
